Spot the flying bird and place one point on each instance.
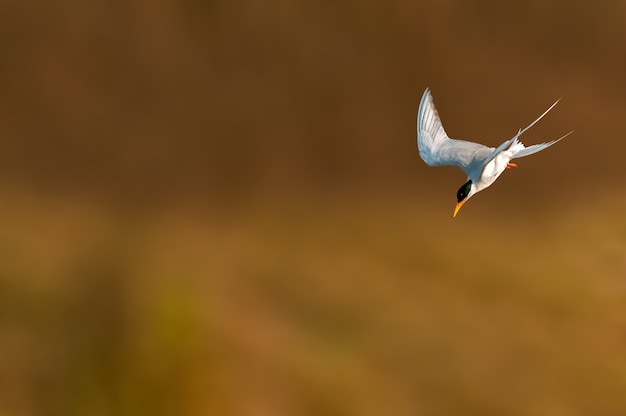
(482, 164)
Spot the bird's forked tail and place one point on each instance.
(518, 149)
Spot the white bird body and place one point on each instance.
(482, 164)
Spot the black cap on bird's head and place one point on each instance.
(462, 195)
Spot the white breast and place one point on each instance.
(492, 170)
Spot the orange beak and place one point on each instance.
(458, 207)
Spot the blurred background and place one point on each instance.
(214, 207)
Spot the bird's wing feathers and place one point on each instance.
(437, 149)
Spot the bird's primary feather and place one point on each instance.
(437, 149)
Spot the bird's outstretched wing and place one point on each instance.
(437, 149)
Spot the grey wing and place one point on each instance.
(437, 149)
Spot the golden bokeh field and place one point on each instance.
(218, 208)
(316, 309)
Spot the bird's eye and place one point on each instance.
(463, 191)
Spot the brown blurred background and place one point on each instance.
(218, 208)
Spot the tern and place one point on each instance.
(482, 164)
